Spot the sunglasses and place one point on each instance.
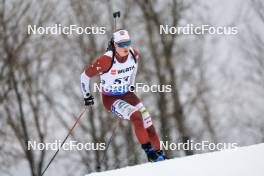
(123, 44)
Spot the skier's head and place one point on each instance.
(122, 42)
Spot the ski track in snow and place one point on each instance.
(243, 161)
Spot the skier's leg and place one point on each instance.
(125, 110)
(153, 136)
(152, 147)
(124, 107)
(139, 129)
(132, 99)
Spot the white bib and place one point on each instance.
(119, 77)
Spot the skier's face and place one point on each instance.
(122, 47)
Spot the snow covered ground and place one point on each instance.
(244, 161)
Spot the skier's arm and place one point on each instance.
(88, 98)
(101, 65)
(85, 80)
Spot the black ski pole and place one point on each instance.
(76, 122)
(115, 15)
(108, 144)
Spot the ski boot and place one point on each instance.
(161, 155)
(152, 155)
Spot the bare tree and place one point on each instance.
(161, 47)
(252, 42)
(22, 93)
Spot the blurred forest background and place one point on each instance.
(217, 80)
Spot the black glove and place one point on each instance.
(132, 88)
(89, 100)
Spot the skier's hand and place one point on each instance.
(88, 100)
(132, 88)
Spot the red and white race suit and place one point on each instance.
(117, 74)
(120, 76)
